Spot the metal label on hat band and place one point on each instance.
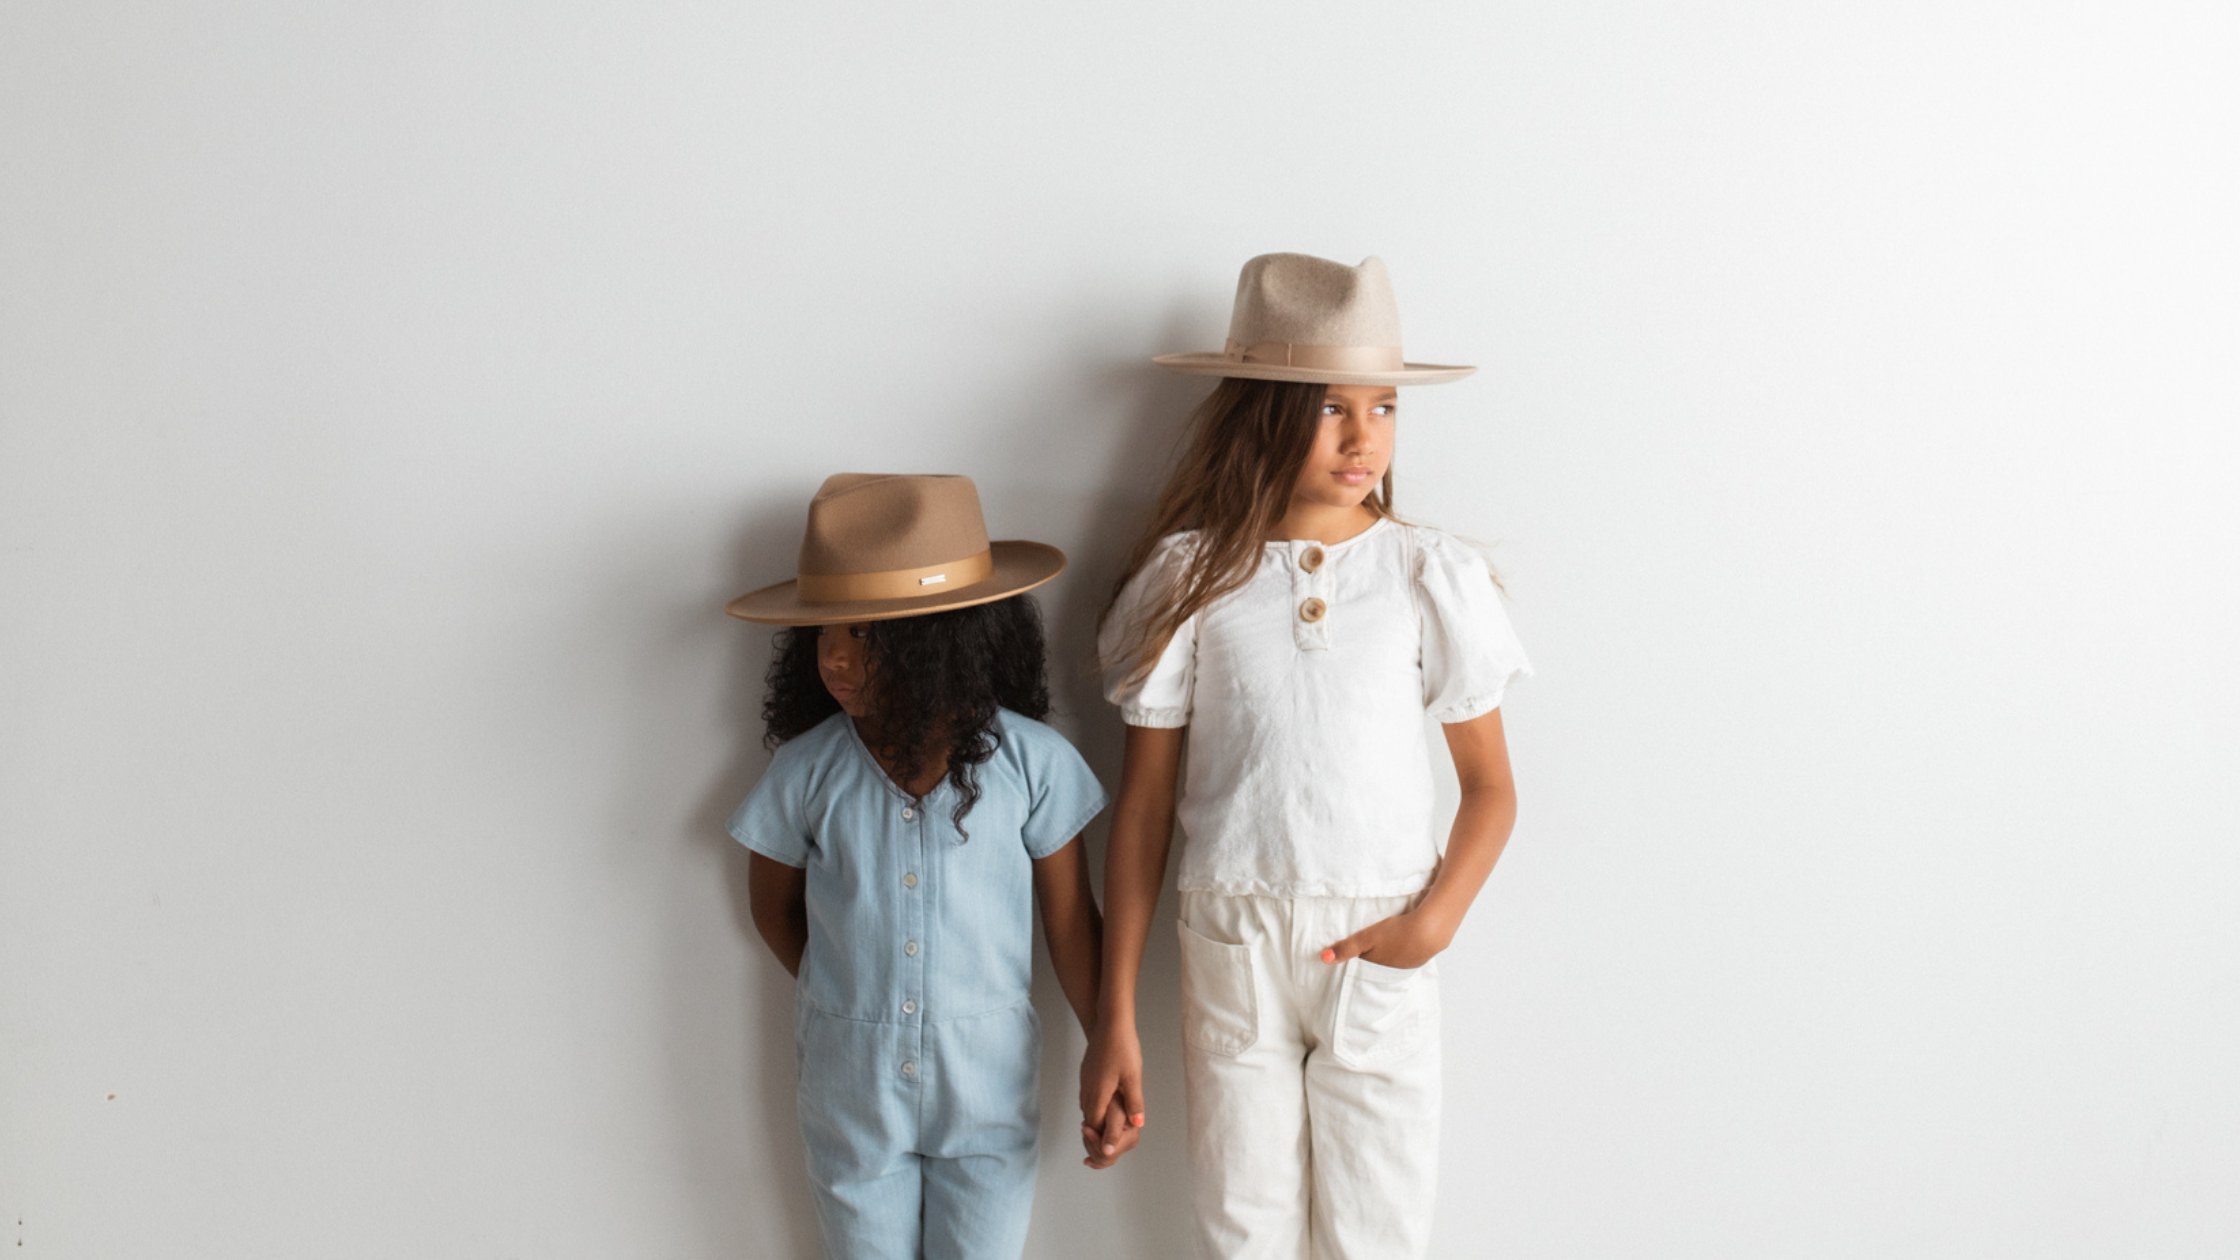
(822, 588)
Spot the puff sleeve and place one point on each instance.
(1469, 652)
(1162, 696)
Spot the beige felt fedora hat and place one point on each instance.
(1302, 318)
(881, 546)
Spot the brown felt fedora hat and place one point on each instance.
(1302, 318)
(880, 546)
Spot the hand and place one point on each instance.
(1112, 1110)
(1404, 940)
(1115, 1138)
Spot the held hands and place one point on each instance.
(1404, 940)
(1112, 1115)
(1115, 1138)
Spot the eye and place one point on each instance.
(1332, 409)
(859, 632)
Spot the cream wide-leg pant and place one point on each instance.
(1313, 1089)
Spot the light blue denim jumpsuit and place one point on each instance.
(913, 1031)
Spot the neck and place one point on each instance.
(934, 765)
(1322, 522)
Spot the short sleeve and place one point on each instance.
(1469, 652)
(773, 820)
(1063, 792)
(1162, 695)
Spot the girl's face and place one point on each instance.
(1353, 447)
(845, 667)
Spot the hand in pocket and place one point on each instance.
(1404, 941)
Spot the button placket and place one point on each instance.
(915, 921)
(1310, 597)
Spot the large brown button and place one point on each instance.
(1312, 610)
(1311, 559)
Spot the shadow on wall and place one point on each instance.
(755, 1199)
(1135, 1203)
(764, 1207)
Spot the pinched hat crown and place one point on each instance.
(874, 522)
(1307, 301)
(1308, 319)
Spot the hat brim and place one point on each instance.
(1209, 364)
(1019, 566)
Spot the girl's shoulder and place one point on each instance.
(1026, 734)
(1162, 566)
(1436, 553)
(1173, 548)
(817, 746)
(1049, 774)
(1031, 745)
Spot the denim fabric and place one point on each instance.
(914, 1034)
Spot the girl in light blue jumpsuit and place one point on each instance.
(914, 812)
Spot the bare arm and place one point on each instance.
(1071, 927)
(777, 897)
(1481, 830)
(1135, 868)
(1135, 862)
(1076, 938)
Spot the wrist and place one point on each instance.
(1438, 919)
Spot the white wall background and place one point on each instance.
(390, 395)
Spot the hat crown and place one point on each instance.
(1307, 301)
(878, 522)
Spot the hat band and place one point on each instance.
(834, 588)
(1335, 358)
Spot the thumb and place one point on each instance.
(1351, 947)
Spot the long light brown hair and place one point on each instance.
(1241, 458)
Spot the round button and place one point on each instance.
(1311, 560)
(910, 947)
(909, 1068)
(1312, 610)
(909, 1008)
(910, 880)
(908, 813)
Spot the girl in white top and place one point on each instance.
(1279, 612)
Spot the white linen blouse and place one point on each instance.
(1308, 772)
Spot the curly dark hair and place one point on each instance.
(934, 680)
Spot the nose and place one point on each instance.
(838, 651)
(1353, 433)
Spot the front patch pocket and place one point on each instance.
(1384, 1013)
(1220, 1009)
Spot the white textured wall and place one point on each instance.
(390, 395)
